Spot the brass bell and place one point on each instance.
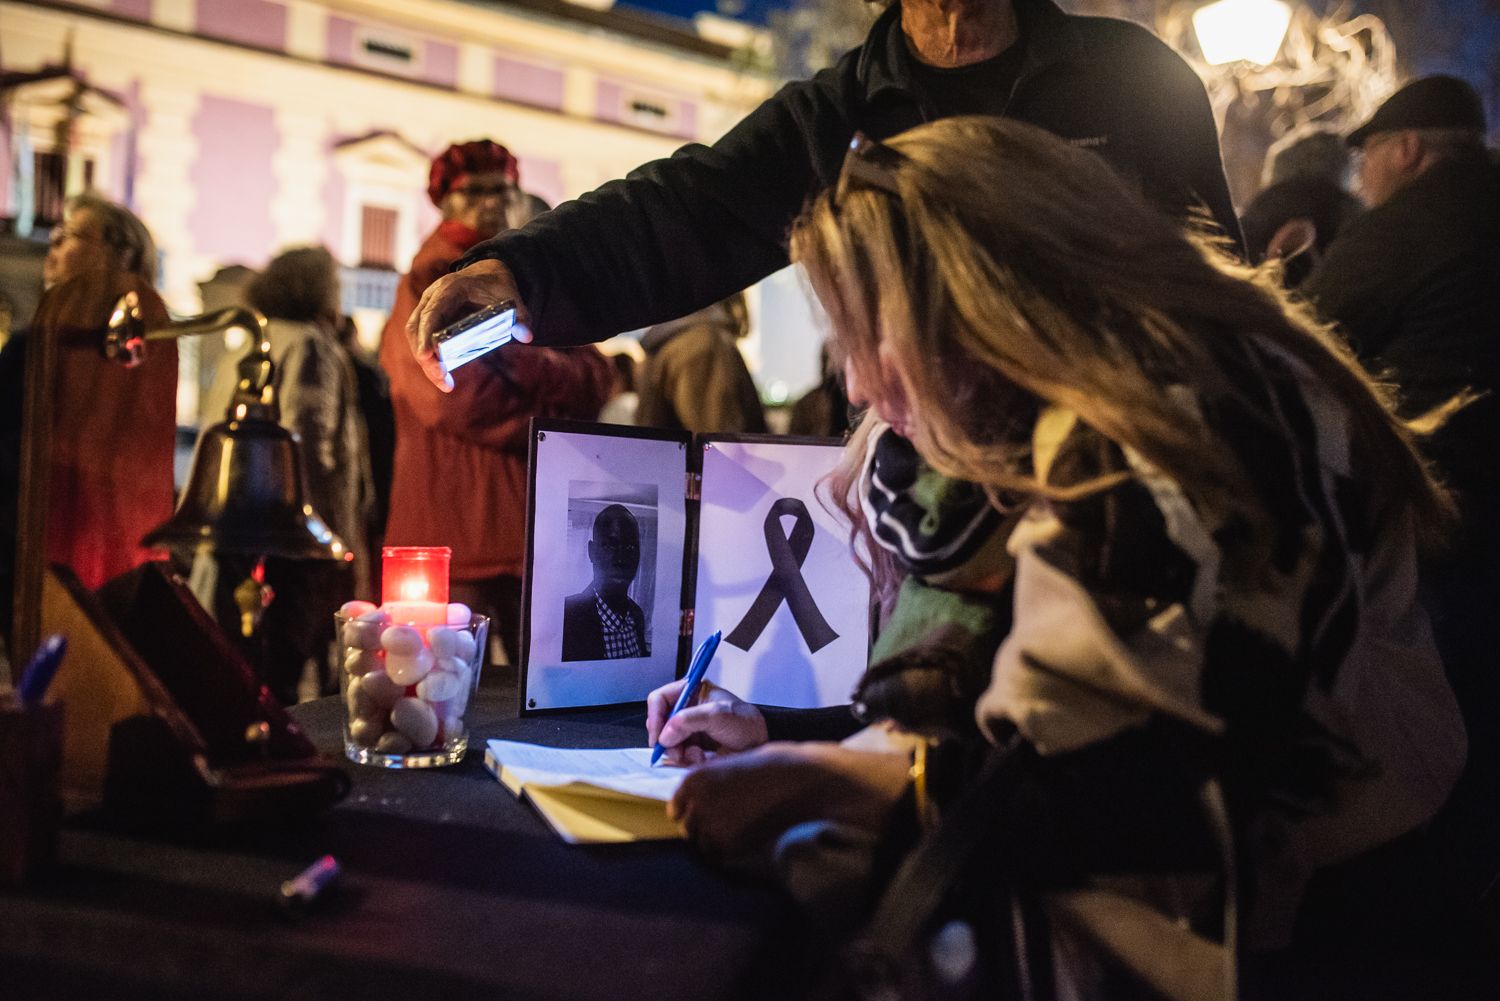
(245, 496)
(245, 493)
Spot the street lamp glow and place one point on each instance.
(1233, 30)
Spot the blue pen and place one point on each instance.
(694, 679)
(39, 672)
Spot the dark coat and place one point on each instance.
(1415, 285)
(1321, 202)
(114, 431)
(1414, 282)
(583, 636)
(695, 379)
(678, 234)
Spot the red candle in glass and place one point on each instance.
(414, 583)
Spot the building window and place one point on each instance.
(382, 49)
(377, 237)
(49, 182)
(49, 185)
(649, 111)
(387, 51)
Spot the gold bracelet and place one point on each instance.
(926, 809)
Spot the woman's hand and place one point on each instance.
(740, 802)
(717, 721)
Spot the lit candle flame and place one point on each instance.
(414, 589)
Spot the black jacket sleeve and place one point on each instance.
(677, 233)
(1177, 138)
(828, 723)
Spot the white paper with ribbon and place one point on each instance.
(775, 572)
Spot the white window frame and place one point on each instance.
(37, 109)
(382, 171)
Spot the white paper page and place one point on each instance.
(736, 533)
(621, 769)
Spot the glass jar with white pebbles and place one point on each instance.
(405, 686)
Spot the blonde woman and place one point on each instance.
(1215, 527)
(113, 429)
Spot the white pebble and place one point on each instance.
(444, 641)
(359, 702)
(354, 609)
(465, 689)
(363, 633)
(358, 663)
(458, 614)
(381, 689)
(439, 686)
(365, 732)
(466, 647)
(393, 743)
(416, 719)
(410, 669)
(460, 702)
(401, 641)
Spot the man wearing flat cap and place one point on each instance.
(1415, 284)
(459, 476)
(1427, 177)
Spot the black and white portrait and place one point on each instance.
(612, 554)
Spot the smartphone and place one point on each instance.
(474, 335)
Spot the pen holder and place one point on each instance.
(30, 800)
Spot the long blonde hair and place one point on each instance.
(1011, 269)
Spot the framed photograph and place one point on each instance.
(641, 542)
(606, 536)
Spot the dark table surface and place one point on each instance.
(450, 887)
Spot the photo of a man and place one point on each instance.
(602, 622)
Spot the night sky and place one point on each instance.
(750, 10)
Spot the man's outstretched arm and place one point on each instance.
(673, 236)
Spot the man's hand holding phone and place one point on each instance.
(449, 301)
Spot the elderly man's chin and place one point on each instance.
(491, 224)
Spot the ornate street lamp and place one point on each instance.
(1249, 31)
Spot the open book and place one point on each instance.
(590, 796)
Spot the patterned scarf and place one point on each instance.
(934, 654)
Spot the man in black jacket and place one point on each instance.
(678, 234)
(1415, 285)
(1415, 281)
(601, 622)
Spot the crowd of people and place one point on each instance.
(1161, 551)
(1184, 563)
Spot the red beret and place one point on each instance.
(462, 159)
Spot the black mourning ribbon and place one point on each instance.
(788, 553)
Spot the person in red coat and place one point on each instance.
(460, 469)
(113, 429)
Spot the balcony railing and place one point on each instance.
(368, 288)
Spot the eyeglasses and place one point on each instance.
(477, 191)
(869, 164)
